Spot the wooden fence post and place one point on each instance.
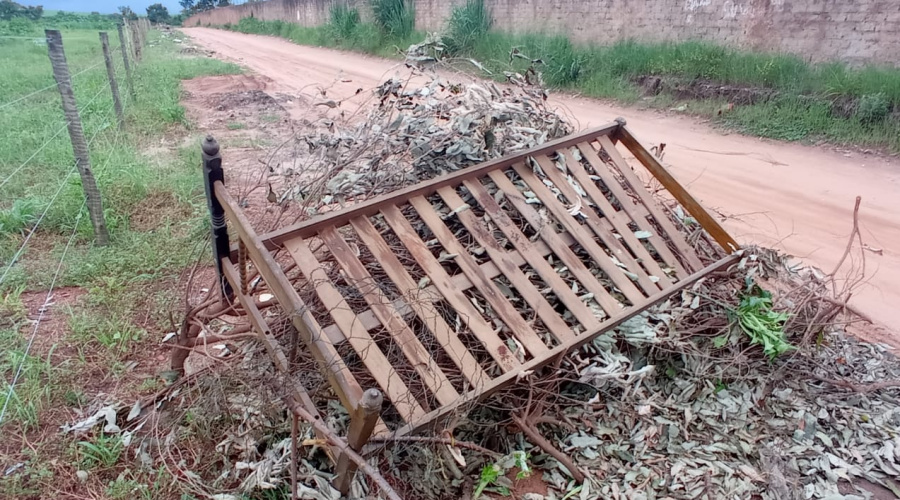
(362, 424)
(123, 47)
(212, 172)
(111, 73)
(138, 43)
(76, 134)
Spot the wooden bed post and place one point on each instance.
(362, 423)
(212, 173)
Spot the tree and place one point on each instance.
(158, 13)
(223, 3)
(186, 5)
(127, 13)
(203, 5)
(10, 10)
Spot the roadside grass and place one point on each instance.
(812, 102)
(127, 289)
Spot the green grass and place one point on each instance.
(128, 287)
(827, 101)
(395, 18)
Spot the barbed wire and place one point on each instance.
(33, 155)
(43, 311)
(44, 145)
(15, 257)
(48, 87)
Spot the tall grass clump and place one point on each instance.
(395, 18)
(343, 21)
(468, 24)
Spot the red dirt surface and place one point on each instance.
(794, 197)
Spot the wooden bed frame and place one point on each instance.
(637, 258)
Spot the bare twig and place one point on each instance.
(860, 388)
(341, 445)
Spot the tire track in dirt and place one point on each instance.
(794, 197)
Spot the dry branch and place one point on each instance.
(341, 445)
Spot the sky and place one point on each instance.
(102, 6)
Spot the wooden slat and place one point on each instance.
(376, 362)
(518, 327)
(637, 212)
(460, 281)
(419, 357)
(594, 222)
(339, 218)
(661, 218)
(552, 320)
(618, 221)
(454, 296)
(560, 350)
(534, 256)
(340, 378)
(690, 204)
(585, 239)
(420, 301)
(565, 254)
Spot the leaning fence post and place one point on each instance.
(76, 134)
(362, 424)
(136, 37)
(212, 173)
(123, 47)
(111, 73)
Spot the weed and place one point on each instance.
(343, 20)
(104, 451)
(491, 474)
(236, 126)
(36, 384)
(873, 108)
(758, 321)
(395, 18)
(468, 24)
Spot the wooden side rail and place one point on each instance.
(364, 407)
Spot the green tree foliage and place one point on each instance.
(158, 13)
(127, 13)
(10, 10)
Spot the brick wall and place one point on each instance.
(855, 31)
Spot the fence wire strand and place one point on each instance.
(43, 311)
(48, 87)
(15, 257)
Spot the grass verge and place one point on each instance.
(100, 339)
(771, 95)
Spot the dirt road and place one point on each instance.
(797, 198)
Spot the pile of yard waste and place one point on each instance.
(742, 386)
